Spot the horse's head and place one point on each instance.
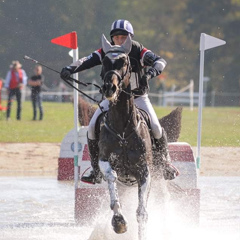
(115, 67)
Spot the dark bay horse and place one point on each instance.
(124, 141)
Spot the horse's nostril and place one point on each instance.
(114, 88)
(109, 89)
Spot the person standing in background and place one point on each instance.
(36, 82)
(15, 80)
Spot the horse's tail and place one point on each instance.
(172, 124)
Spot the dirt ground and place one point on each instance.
(41, 159)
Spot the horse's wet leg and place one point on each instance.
(142, 215)
(118, 221)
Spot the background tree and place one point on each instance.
(168, 27)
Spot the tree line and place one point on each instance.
(170, 28)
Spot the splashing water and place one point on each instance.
(43, 208)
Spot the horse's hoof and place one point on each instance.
(119, 223)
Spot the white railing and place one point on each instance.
(184, 96)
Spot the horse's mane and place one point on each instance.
(171, 122)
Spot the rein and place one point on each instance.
(86, 95)
(67, 81)
(122, 139)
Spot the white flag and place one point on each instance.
(70, 53)
(207, 42)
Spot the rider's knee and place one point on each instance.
(157, 131)
(91, 131)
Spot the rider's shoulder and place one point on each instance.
(137, 49)
(137, 45)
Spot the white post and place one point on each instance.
(206, 42)
(75, 94)
(213, 98)
(191, 91)
(200, 104)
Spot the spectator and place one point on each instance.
(15, 80)
(36, 82)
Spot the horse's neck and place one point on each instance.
(121, 113)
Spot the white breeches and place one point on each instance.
(142, 102)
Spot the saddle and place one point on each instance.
(146, 118)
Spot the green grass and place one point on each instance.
(58, 120)
(220, 126)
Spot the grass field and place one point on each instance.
(58, 120)
(220, 126)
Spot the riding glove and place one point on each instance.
(66, 73)
(144, 83)
(147, 76)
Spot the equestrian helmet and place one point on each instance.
(121, 27)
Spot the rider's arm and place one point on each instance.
(149, 59)
(156, 63)
(84, 63)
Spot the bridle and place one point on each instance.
(122, 138)
(122, 76)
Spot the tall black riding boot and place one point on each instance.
(169, 171)
(95, 175)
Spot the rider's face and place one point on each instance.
(119, 39)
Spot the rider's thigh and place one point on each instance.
(91, 127)
(144, 103)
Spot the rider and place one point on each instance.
(140, 58)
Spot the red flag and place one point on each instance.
(68, 40)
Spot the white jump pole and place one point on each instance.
(74, 54)
(75, 95)
(206, 42)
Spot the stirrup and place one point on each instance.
(92, 178)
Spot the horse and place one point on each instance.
(125, 147)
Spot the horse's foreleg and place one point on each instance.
(142, 215)
(118, 221)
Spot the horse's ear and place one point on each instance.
(127, 45)
(106, 45)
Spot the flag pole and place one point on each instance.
(206, 42)
(75, 94)
(200, 101)
(69, 40)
